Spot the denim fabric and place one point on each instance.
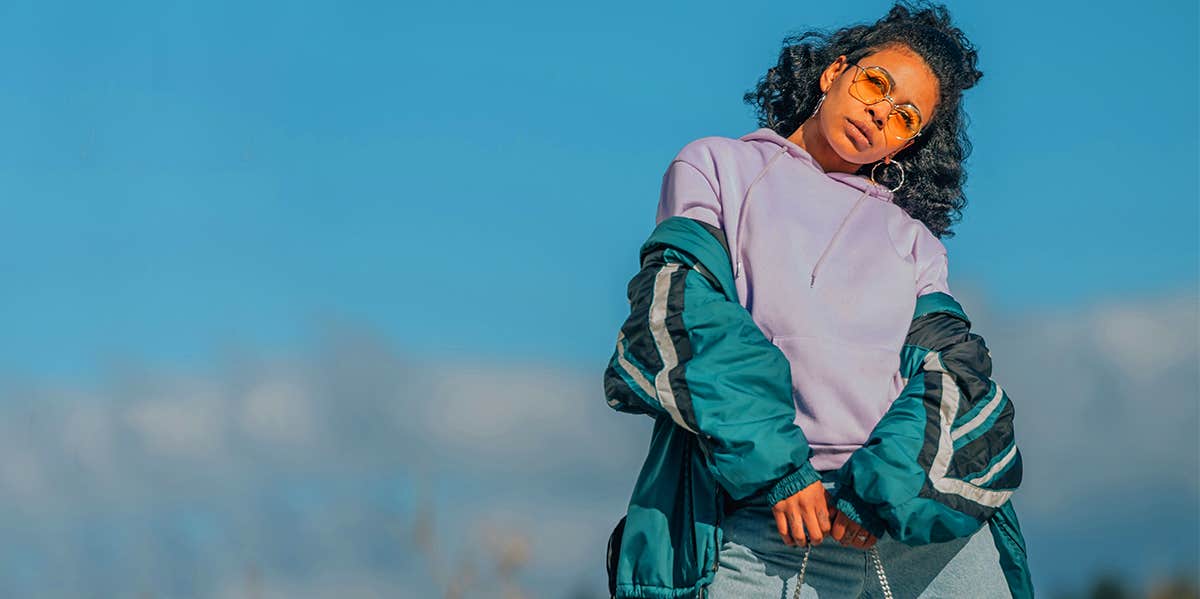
(754, 562)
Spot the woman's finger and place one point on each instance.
(823, 519)
(796, 526)
(850, 530)
(838, 529)
(782, 525)
(858, 536)
(829, 509)
(813, 524)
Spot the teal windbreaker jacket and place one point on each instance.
(940, 464)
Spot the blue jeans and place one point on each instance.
(754, 562)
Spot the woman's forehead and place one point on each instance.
(915, 81)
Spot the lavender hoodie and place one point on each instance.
(829, 275)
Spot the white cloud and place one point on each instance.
(187, 424)
(475, 403)
(88, 436)
(22, 473)
(278, 409)
(529, 417)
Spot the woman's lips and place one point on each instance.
(857, 133)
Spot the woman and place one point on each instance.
(832, 212)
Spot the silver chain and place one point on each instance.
(873, 554)
(800, 578)
(883, 582)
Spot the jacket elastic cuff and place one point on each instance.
(859, 511)
(789, 485)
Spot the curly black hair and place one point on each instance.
(933, 169)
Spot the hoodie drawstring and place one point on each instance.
(738, 268)
(813, 275)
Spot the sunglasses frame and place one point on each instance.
(891, 83)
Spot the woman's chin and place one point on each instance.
(848, 152)
(847, 149)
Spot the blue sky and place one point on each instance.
(470, 182)
(475, 177)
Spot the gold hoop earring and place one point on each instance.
(889, 161)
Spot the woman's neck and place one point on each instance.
(811, 140)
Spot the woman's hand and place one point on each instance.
(807, 510)
(849, 533)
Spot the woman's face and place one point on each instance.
(914, 83)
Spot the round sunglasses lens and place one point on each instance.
(905, 121)
(869, 87)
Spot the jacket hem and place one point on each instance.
(640, 591)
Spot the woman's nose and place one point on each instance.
(879, 112)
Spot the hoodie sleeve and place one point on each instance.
(690, 187)
(932, 268)
(943, 459)
(688, 353)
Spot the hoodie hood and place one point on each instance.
(858, 182)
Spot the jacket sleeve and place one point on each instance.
(944, 457)
(688, 353)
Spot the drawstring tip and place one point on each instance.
(812, 280)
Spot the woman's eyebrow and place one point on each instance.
(907, 99)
